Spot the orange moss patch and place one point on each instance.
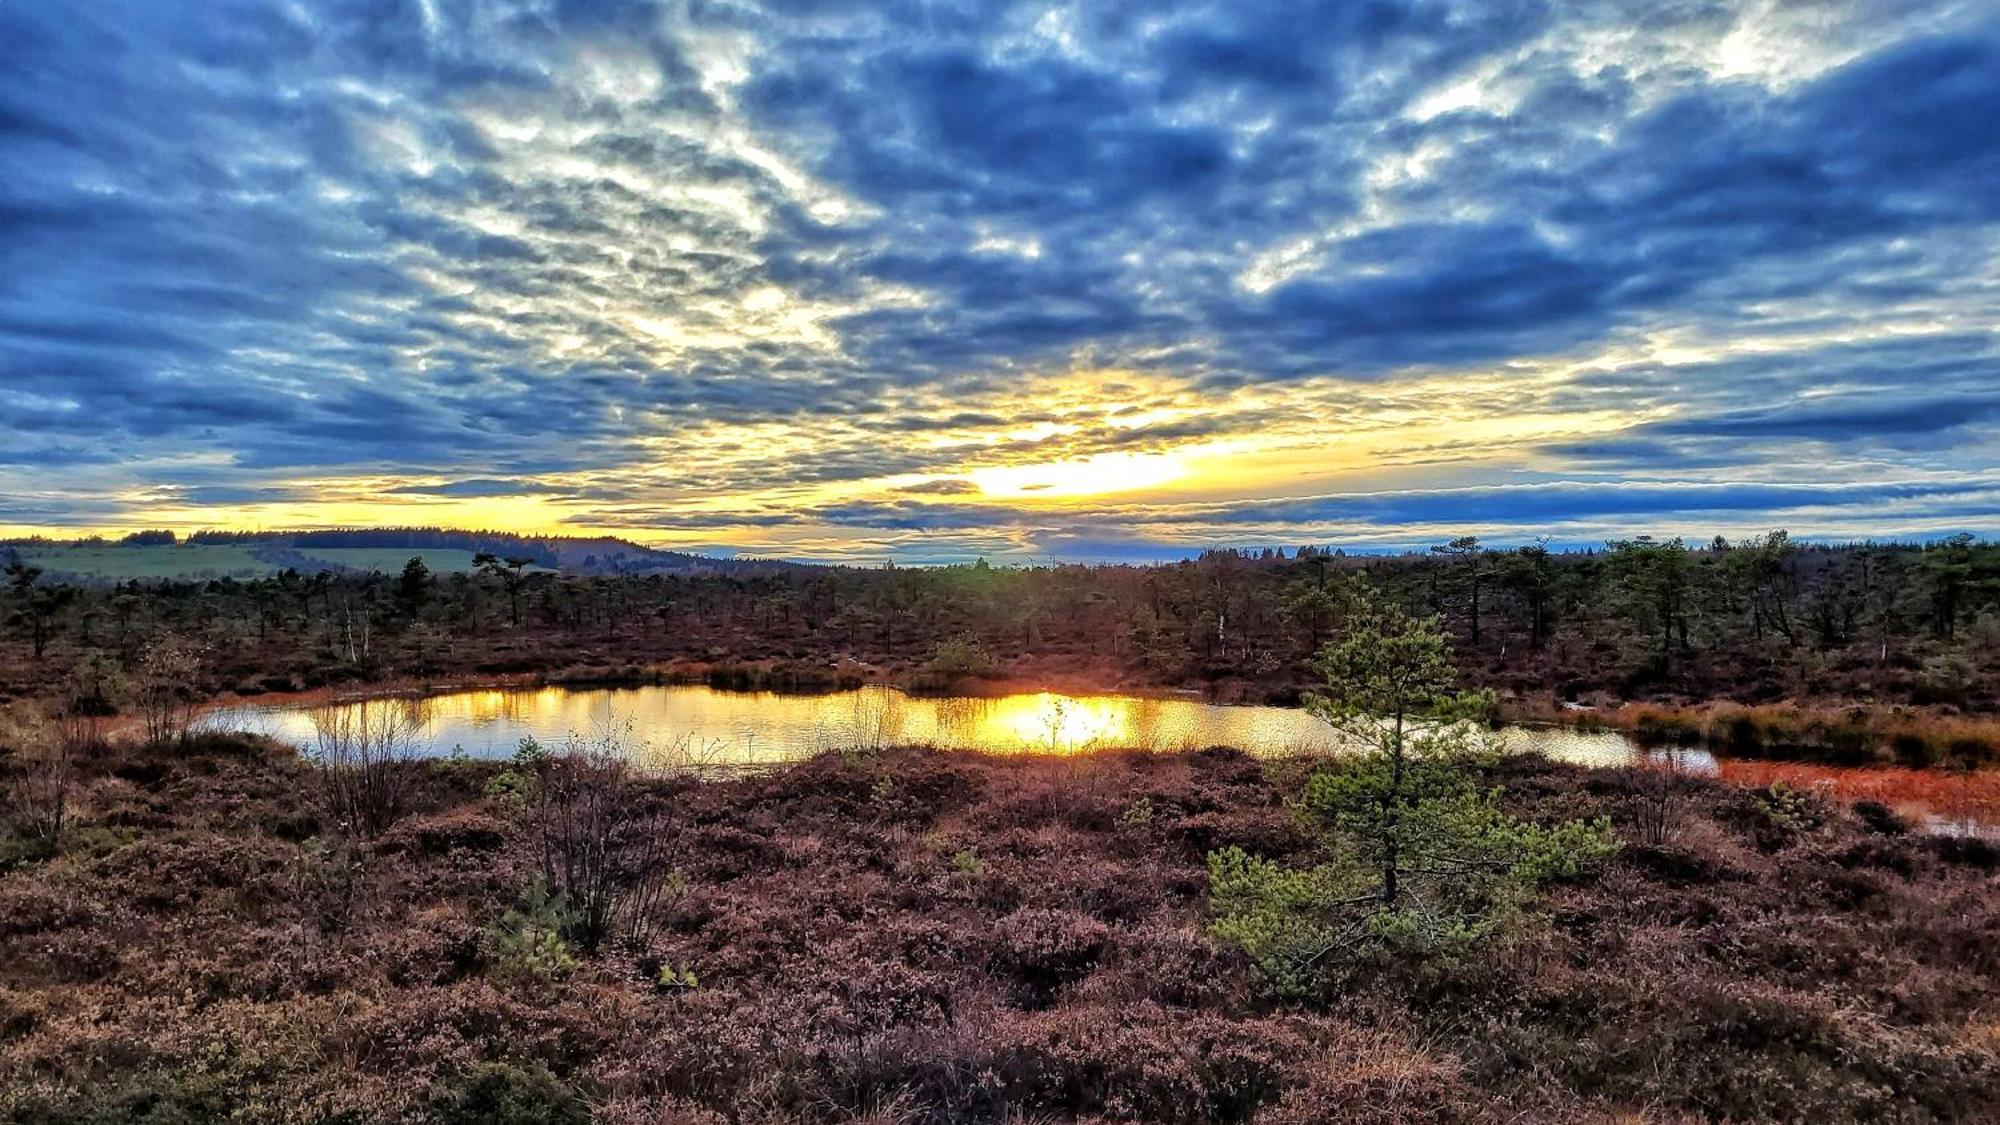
(1953, 796)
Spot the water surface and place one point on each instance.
(699, 725)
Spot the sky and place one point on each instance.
(929, 281)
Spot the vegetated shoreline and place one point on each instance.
(724, 676)
(926, 937)
(1852, 734)
(1932, 796)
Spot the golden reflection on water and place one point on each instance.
(1048, 722)
(691, 723)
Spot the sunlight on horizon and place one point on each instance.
(1031, 286)
(1088, 476)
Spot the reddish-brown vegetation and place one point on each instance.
(1842, 735)
(915, 936)
(1948, 800)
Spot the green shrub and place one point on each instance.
(674, 979)
(1791, 811)
(1287, 920)
(1139, 814)
(529, 937)
(1424, 861)
(499, 1094)
(962, 655)
(530, 754)
(511, 787)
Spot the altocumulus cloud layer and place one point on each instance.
(1091, 280)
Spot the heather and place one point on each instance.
(914, 936)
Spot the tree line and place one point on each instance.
(1760, 617)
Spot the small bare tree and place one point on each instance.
(601, 847)
(879, 716)
(168, 691)
(45, 778)
(1658, 795)
(363, 751)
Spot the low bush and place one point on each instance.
(530, 938)
(500, 1094)
(1050, 948)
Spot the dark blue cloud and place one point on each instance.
(1840, 420)
(1572, 509)
(472, 488)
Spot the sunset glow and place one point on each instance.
(1036, 281)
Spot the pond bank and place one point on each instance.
(683, 724)
(1851, 736)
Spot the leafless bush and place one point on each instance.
(363, 751)
(601, 847)
(692, 756)
(1658, 794)
(879, 715)
(327, 881)
(168, 690)
(45, 777)
(79, 730)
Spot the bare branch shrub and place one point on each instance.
(601, 846)
(687, 755)
(168, 690)
(327, 880)
(44, 779)
(878, 718)
(363, 752)
(1658, 794)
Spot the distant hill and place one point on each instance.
(252, 554)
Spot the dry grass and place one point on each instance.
(1949, 797)
(1851, 735)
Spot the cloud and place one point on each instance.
(474, 488)
(778, 258)
(946, 487)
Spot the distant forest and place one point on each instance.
(1759, 619)
(577, 555)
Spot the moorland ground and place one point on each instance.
(916, 936)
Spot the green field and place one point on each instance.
(195, 561)
(390, 560)
(198, 561)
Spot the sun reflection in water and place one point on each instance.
(761, 728)
(1056, 723)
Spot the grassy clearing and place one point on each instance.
(115, 563)
(389, 560)
(205, 560)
